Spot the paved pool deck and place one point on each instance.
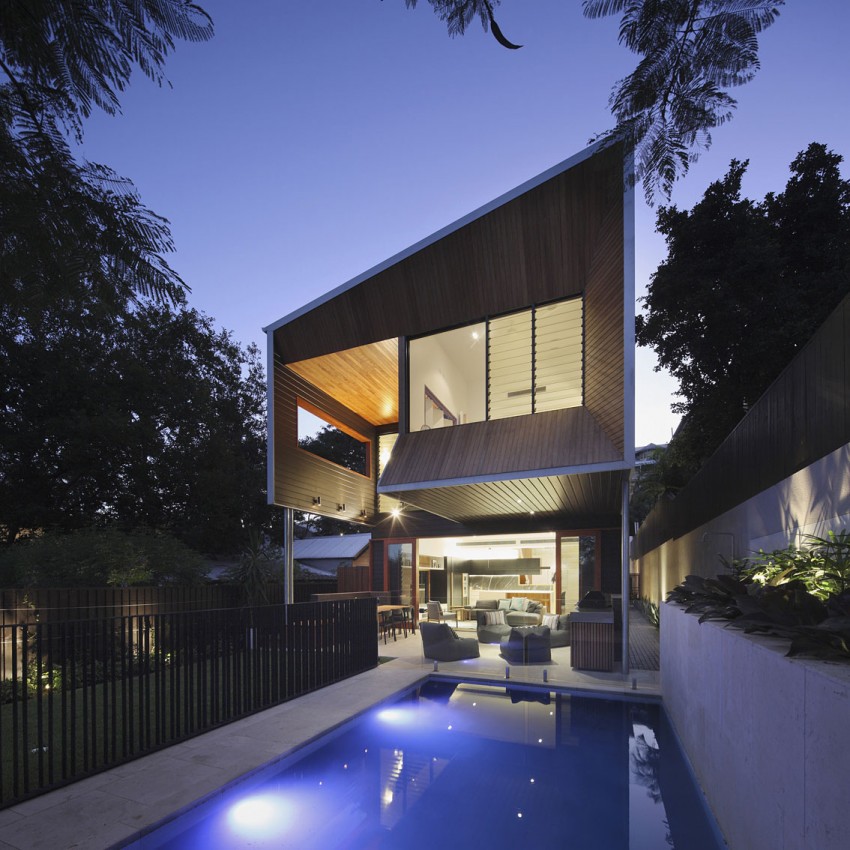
(115, 808)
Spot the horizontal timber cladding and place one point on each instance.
(803, 416)
(552, 440)
(300, 476)
(535, 248)
(604, 392)
(585, 500)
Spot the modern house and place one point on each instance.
(481, 384)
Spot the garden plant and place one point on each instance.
(802, 594)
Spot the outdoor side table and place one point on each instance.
(592, 640)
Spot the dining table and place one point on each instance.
(408, 621)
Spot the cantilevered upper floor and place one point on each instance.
(485, 372)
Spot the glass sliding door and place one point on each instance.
(400, 572)
(578, 568)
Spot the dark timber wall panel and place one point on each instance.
(603, 340)
(803, 416)
(299, 475)
(535, 248)
(555, 439)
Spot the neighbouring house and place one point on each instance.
(323, 556)
(478, 393)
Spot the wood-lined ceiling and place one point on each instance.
(593, 498)
(364, 379)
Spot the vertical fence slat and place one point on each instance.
(88, 694)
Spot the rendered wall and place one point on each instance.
(767, 736)
(811, 501)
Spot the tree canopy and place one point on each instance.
(66, 223)
(691, 53)
(119, 405)
(146, 416)
(744, 285)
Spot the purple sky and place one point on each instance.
(308, 142)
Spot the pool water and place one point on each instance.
(451, 763)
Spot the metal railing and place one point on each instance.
(85, 695)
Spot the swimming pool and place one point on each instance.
(454, 762)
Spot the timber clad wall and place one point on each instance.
(299, 475)
(802, 417)
(535, 248)
(603, 330)
(557, 438)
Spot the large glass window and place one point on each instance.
(448, 382)
(526, 362)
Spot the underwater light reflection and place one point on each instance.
(261, 816)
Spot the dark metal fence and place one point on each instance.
(88, 694)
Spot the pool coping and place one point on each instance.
(119, 807)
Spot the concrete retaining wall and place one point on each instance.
(768, 736)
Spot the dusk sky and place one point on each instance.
(308, 142)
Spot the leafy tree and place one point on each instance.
(745, 284)
(66, 223)
(692, 52)
(97, 557)
(143, 417)
(459, 14)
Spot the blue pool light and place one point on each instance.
(398, 715)
(260, 816)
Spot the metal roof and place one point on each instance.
(338, 546)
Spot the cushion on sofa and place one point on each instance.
(534, 607)
(504, 604)
(551, 620)
(494, 618)
(518, 603)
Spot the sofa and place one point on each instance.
(440, 643)
(518, 611)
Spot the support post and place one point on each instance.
(626, 584)
(288, 562)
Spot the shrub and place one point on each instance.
(100, 556)
(799, 594)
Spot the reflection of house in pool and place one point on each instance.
(487, 372)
